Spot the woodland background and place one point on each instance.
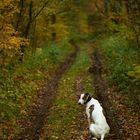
(34, 37)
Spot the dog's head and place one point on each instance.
(84, 98)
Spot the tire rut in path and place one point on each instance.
(39, 114)
(81, 123)
(101, 90)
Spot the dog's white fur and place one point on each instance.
(99, 127)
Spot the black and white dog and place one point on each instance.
(98, 125)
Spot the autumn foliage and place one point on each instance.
(34, 36)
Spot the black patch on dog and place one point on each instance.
(86, 98)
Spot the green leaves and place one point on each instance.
(122, 72)
(117, 52)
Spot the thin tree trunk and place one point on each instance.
(53, 22)
(20, 15)
(34, 39)
(30, 20)
(106, 8)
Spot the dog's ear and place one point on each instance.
(86, 95)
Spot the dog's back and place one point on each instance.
(97, 121)
(99, 126)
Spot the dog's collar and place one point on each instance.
(89, 98)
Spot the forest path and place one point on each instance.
(67, 120)
(59, 117)
(78, 127)
(40, 111)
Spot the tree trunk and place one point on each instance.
(20, 15)
(30, 20)
(53, 22)
(106, 9)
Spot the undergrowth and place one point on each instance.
(19, 83)
(64, 110)
(121, 57)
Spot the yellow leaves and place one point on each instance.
(135, 73)
(9, 39)
(8, 8)
(10, 43)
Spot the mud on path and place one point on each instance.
(35, 121)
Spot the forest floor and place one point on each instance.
(56, 115)
(39, 111)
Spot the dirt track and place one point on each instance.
(35, 122)
(102, 91)
(123, 120)
(104, 94)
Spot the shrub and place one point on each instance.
(121, 57)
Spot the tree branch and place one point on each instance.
(41, 9)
